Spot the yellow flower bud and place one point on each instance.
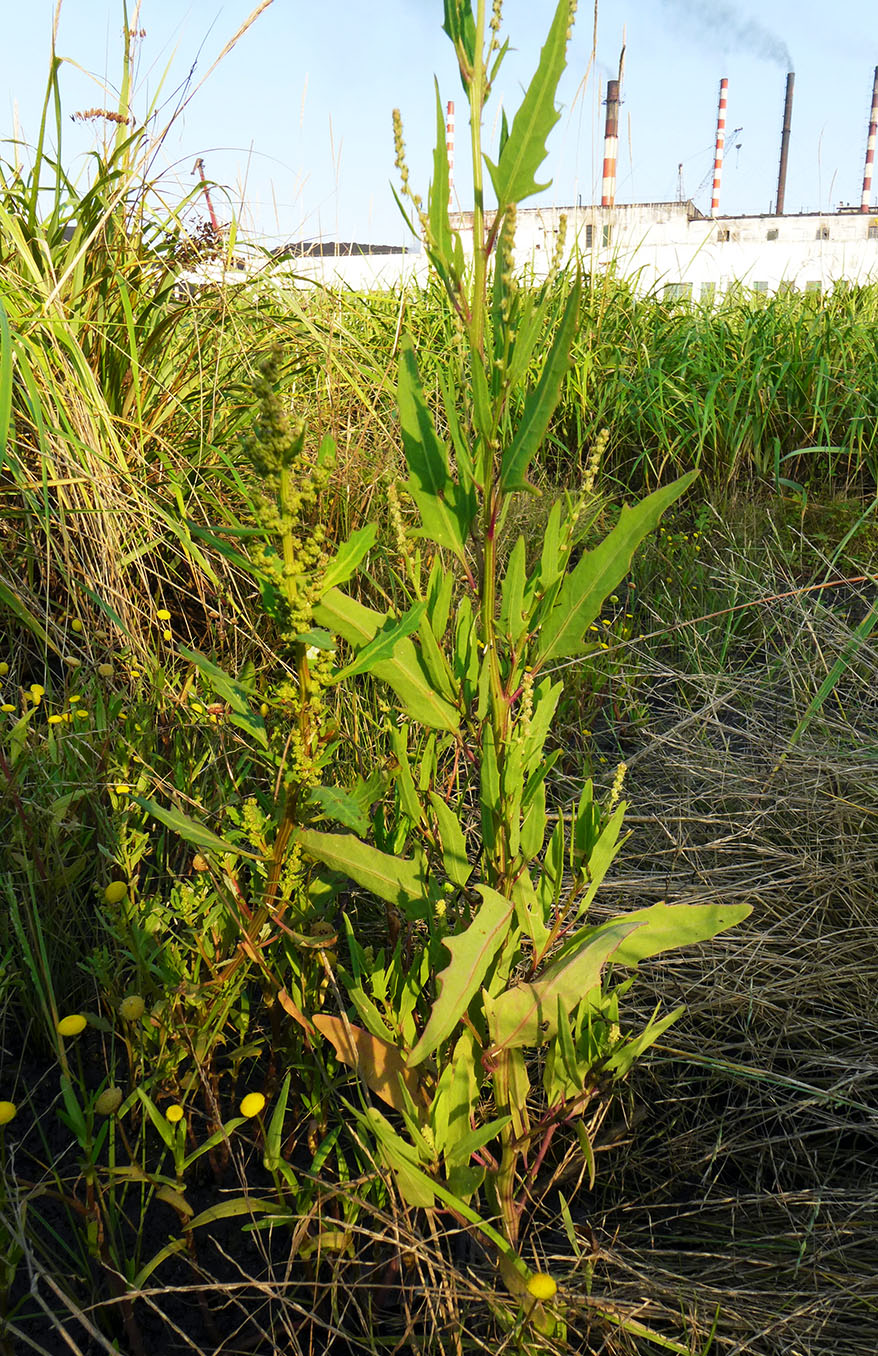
(199, 863)
(4, 669)
(73, 1025)
(252, 1104)
(8, 1112)
(175, 1113)
(105, 670)
(541, 1286)
(163, 614)
(132, 1008)
(115, 892)
(76, 625)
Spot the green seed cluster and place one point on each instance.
(288, 495)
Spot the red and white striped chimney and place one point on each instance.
(611, 145)
(720, 146)
(870, 148)
(449, 146)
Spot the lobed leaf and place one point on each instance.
(524, 149)
(599, 572)
(471, 953)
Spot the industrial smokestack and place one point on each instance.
(785, 145)
(611, 145)
(720, 146)
(870, 148)
(449, 146)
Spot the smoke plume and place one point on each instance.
(717, 20)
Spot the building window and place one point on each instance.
(708, 291)
(873, 230)
(772, 234)
(723, 235)
(589, 236)
(606, 236)
(813, 287)
(760, 287)
(822, 232)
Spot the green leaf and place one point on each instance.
(540, 403)
(403, 671)
(447, 509)
(5, 381)
(415, 1187)
(347, 558)
(235, 693)
(454, 858)
(242, 1205)
(337, 804)
(528, 1013)
(455, 1099)
(664, 927)
(394, 879)
(471, 953)
(599, 572)
(191, 831)
(511, 620)
(383, 643)
(440, 226)
(524, 150)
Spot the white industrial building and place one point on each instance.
(673, 249)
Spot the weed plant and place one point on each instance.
(240, 851)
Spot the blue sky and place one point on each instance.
(296, 120)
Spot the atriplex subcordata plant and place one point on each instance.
(504, 960)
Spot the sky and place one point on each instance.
(295, 122)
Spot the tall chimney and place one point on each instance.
(720, 146)
(785, 145)
(611, 145)
(449, 146)
(870, 148)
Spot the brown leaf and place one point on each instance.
(380, 1064)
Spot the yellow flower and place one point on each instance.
(115, 892)
(132, 1008)
(4, 669)
(8, 1112)
(81, 715)
(175, 1113)
(167, 635)
(541, 1286)
(7, 706)
(105, 670)
(121, 788)
(36, 691)
(252, 1104)
(56, 720)
(163, 614)
(73, 1025)
(73, 700)
(109, 1102)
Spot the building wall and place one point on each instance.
(674, 248)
